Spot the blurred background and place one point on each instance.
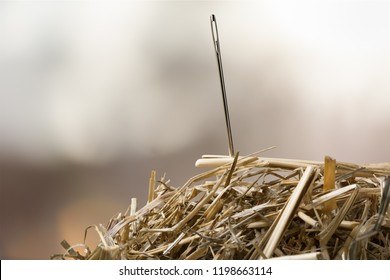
(95, 95)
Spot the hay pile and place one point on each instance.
(256, 208)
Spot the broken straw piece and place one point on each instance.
(329, 182)
(289, 210)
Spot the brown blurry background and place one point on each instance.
(95, 95)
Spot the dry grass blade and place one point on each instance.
(152, 185)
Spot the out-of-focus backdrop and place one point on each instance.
(95, 95)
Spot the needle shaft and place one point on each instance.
(214, 31)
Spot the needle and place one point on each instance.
(214, 31)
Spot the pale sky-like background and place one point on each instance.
(96, 94)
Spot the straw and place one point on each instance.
(253, 207)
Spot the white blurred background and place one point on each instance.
(95, 95)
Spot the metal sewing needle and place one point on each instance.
(214, 31)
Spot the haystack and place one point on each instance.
(255, 208)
